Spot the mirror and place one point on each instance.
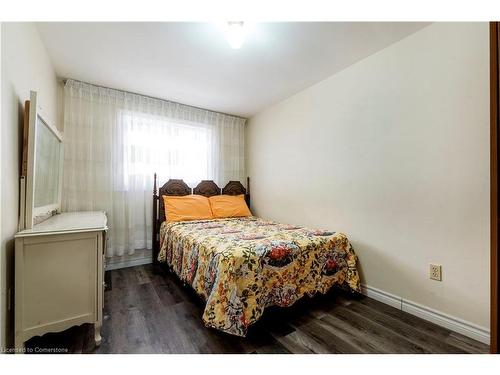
(47, 158)
(42, 167)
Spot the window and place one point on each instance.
(155, 144)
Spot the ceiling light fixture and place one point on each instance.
(235, 34)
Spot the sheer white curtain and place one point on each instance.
(113, 143)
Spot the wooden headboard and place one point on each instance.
(208, 188)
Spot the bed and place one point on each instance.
(240, 266)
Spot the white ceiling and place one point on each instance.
(193, 64)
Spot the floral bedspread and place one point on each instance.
(242, 265)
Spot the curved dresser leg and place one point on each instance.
(97, 333)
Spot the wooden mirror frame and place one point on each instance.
(29, 214)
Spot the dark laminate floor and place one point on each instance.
(149, 313)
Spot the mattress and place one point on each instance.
(240, 266)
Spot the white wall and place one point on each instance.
(25, 66)
(394, 152)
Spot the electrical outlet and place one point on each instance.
(435, 272)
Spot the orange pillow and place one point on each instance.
(187, 207)
(229, 206)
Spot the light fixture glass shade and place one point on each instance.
(235, 34)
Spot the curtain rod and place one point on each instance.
(153, 97)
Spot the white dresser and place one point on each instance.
(59, 275)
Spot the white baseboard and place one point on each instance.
(139, 258)
(381, 296)
(452, 323)
(128, 263)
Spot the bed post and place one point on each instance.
(247, 198)
(154, 236)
